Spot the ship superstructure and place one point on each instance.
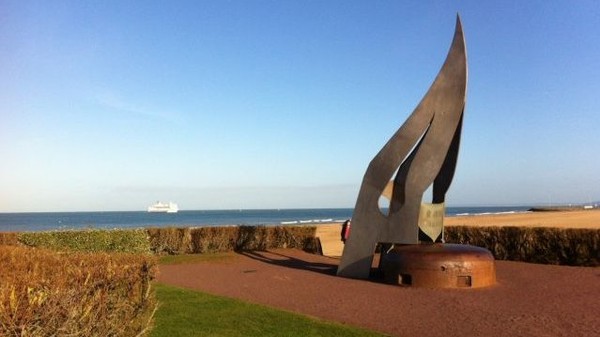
(161, 207)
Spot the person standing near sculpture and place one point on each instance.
(345, 233)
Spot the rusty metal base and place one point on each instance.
(439, 265)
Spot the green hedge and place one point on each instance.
(562, 246)
(93, 240)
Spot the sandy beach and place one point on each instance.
(560, 219)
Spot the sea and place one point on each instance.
(22, 222)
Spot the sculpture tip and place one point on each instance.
(458, 21)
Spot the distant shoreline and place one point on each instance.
(552, 217)
(563, 208)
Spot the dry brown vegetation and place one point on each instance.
(49, 293)
(9, 238)
(562, 246)
(229, 238)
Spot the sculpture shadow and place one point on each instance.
(288, 261)
(291, 262)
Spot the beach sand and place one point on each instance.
(560, 219)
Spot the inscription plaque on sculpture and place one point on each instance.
(431, 220)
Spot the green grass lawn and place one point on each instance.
(185, 312)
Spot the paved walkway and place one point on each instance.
(529, 300)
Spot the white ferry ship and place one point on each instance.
(160, 207)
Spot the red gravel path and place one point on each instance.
(529, 299)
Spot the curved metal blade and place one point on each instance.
(423, 149)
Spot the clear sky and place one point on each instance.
(112, 105)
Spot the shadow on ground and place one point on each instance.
(288, 261)
(284, 260)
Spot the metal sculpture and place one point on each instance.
(423, 151)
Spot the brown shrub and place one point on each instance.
(230, 238)
(300, 237)
(252, 238)
(214, 239)
(9, 238)
(48, 293)
(574, 247)
(170, 240)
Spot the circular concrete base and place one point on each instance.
(439, 265)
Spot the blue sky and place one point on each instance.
(112, 105)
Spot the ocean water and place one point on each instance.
(19, 222)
